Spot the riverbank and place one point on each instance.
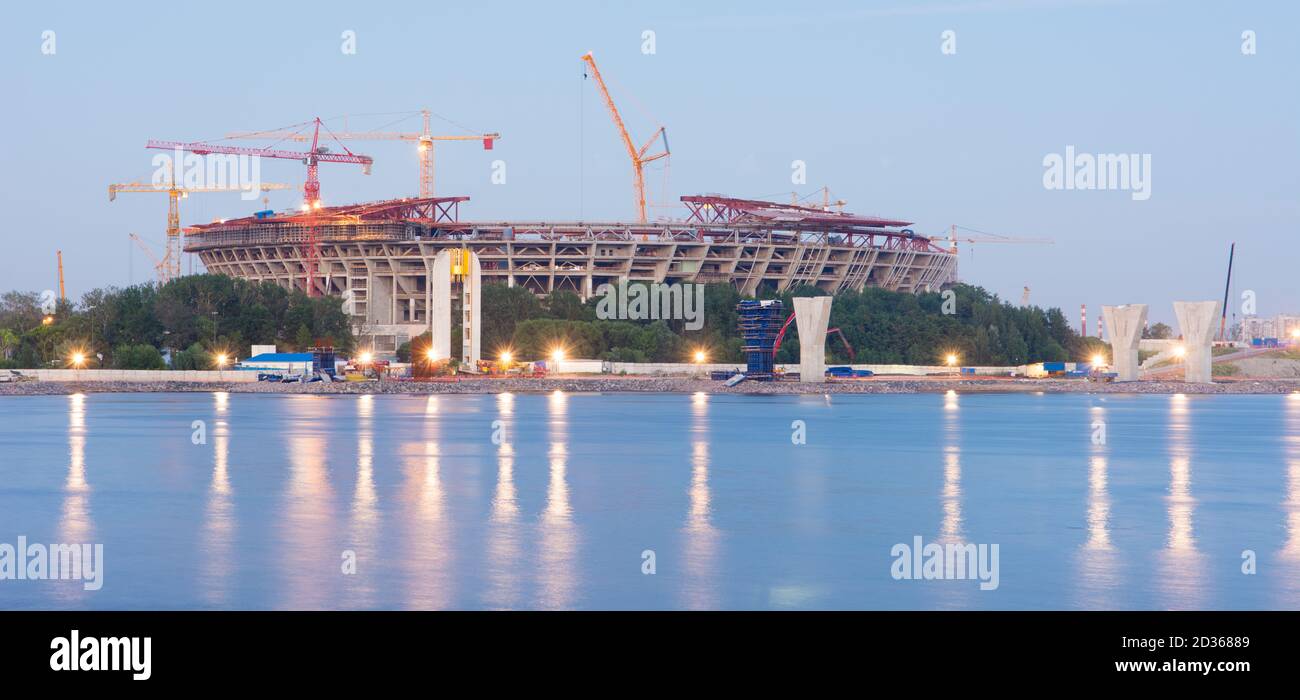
(480, 385)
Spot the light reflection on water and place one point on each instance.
(219, 530)
(558, 547)
(75, 523)
(1097, 557)
(547, 501)
(1181, 564)
(700, 550)
(504, 545)
(308, 522)
(1289, 588)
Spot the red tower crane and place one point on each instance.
(311, 187)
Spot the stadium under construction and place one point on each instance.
(379, 256)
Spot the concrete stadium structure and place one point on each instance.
(379, 256)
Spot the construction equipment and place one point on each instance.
(63, 295)
(170, 265)
(425, 141)
(983, 237)
(159, 265)
(638, 155)
(1223, 320)
(776, 347)
(839, 204)
(311, 186)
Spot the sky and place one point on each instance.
(870, 96)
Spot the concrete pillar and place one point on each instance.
(470, 281)
(1198, 321)
(440, 312)
(1124, 326)
(811, 316)
(472, 310)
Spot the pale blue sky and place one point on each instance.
(859, 91)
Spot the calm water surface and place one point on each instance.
(559, 513)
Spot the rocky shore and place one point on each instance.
(476, 385)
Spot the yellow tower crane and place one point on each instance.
(170, 265)
(638, 155)
(424, 141)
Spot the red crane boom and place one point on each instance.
(312, 158)
(310, 188)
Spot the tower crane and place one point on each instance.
(983, 237)
(311, 186)
(638, 155)
(171, 260)
(424, 141)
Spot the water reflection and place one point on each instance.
(950, 530)
(1097, 556)
(952, 595)
(364, 525)
(219, 527)
(559, 537)
(75, 525)
(503, 545)
(1289, 586)
(699, 589)
(311, 556)
(428, 562)
(1181, 563)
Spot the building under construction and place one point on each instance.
(378, 256)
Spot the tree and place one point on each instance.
(302, 340)
(1158, 331)
(567, 306)
(503, 309)
(193, 357)
(141, 356)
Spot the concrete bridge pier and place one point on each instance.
(1124, 326)
(811, 317)
(1197, 321)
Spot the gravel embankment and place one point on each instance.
(878, 385)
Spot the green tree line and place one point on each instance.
(194, 318)
(881, 326)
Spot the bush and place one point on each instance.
(139, 356)
(193, 357)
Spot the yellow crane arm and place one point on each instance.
(359, 136)
(150, 187)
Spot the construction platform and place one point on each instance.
(379, 255)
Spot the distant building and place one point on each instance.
(279, 362)
(1281, 327)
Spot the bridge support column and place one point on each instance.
(458, 265)
(811, 316)
(1124, 326)
(1196, 321)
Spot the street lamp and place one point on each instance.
(1098, 360)
(700, 357)
(221, 364)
